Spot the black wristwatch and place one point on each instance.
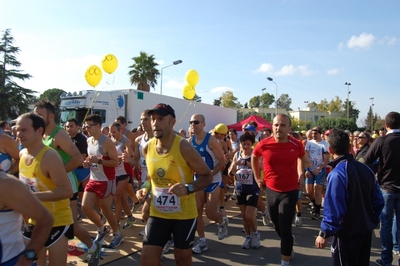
(323, 235)
(30, 254)
(189, 188)
(100, 161)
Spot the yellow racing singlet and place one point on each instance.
(36, 181)
(167, 169)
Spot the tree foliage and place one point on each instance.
(144, 73)
(373, 121)
(14, 99)
(284, 101)
(53, 96)
(255, 102)
(218, 101)
(336, 122)
(353, 112)
(229, 100)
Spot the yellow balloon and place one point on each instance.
(188, 92)
(109, 63)
(93, 75)
(192, 77)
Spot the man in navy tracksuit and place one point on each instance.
(353, 203)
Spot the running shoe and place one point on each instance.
(315, 216)
(94, 257)
(233, 197)
(265, 219)
(223, 229)
(129, 222)
(298, 221)
(136, 206)
(255, 239)
(116, 240)
(167, 246)
(142, 233)
(247, 243)
(101, 235)
(200, 247)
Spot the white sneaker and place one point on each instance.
(142, 233)
(223, 229)
(298, 221)
(247, 243)
(167, 246)
(200, 247)
(265, 219)
(255, 240)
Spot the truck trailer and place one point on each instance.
(130, 103)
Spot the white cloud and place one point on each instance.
(287, 70)
(174, 84)
(333, 71)
(265, 68)
(388, 40)
(304, 71)
(221, 89)
(159, 62)
(365, 40)
(340, 46)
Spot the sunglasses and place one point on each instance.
(196, 122)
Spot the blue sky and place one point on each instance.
(310, 48)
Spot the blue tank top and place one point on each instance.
(5, 162)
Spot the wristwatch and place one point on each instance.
(100, 161)
(30, 254)
(323, 235)
(189, 188)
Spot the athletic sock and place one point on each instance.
(92, 248)
(203, 239)
(298, 214)
(317, 208)
(284, 263)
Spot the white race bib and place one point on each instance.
(30, 183)
(245, 176)
(165, 201)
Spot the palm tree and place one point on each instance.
(144, 73)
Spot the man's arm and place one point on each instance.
(255, 166)
(373, 152)
(11, 148)
(52, 167)
(198, 165)
(15, 196)
(218, 153)
(110, 150)
(63, 141)
(133, 160)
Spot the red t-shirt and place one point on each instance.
(280, 163)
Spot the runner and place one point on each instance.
(211, 152)
(171, 162)
(42, 171)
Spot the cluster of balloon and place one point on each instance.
(94, 74)
(192, 78)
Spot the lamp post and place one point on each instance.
(276, 95)
(177, 62)
(348, 93)
(305, 107)
(372, 114)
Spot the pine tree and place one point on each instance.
(14, 99)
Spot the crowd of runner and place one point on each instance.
(175, 177)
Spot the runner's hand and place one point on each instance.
(141, 194)
(178, 189)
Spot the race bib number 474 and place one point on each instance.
(165, 201)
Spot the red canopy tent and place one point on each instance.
(261, 122)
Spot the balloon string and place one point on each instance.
(184, 113)
(94, 98)
(113, 78)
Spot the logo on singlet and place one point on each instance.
(160, 172)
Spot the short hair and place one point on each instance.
(247, 136)
(73, 120)
(95, 118)
(266, 129)
(121, 119)
(117, 125)
(367, 136)
(339, 142)
(3, 123)
(37, 120)
(46, 105)
(232, 130)
(285, 115)
(253, 123)
(294, 135)
(392, 120)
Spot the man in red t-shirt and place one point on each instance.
(284, 161)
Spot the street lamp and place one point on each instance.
(276, 94)
(372, 114)
(348, 93)
(305, 109)
(177, 62)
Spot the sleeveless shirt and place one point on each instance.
(99, 172)
(122, 168)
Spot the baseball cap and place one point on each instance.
(163, 110)
(250, 128)
(221, 129)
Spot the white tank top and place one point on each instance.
(142, 161)
(99, 172)
(11, 240)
